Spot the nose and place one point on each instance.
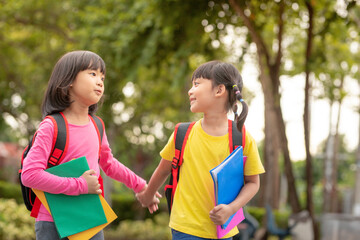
(99, 82)
(190, 91)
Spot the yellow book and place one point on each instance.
(87, 234)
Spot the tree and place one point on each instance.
(336, 65)
(309, 173)
(33, 34)
(270, 62)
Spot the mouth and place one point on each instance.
(98, 92)
(192, 100)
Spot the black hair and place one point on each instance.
(57, 97)
(225, 73)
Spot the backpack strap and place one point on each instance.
(60, 139)
(99, 126)
(58, 150)
(236, 138)
(181, 135)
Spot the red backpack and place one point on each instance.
(181, 133)
(58, 152)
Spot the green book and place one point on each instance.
(74, 214)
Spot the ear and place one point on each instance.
(220, 90)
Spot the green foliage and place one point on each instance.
(142, 230)
(150, 55)
(15, 221)
(124, 206)
(257, 212)
(127, 207)
(147, 52)
(281, 217)
(10, 190)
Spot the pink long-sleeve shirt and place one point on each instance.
(83, 141)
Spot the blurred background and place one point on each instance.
(300, 66)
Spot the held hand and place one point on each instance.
(220, 214)
(151, 202)
(146, 200)
(153, 208)
(92, 182)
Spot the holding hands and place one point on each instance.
(146, 200)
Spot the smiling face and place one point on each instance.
(202, 95)
(88, 87)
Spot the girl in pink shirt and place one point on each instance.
(75, 87)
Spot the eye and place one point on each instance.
(92, 74)
(103, 79)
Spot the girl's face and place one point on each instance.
(202, 95)
(88, 87)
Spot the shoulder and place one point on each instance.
(250, 143)
(248, 136)
(98, 122)
(46, 125)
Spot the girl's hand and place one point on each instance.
(220, 214)
(153, 208)
(92, 182)
(151, 202)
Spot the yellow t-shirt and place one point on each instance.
(194, 196)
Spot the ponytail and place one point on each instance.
(239, 119)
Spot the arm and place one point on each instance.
(157, 180)
(220, 214)
(116, 170)
(35, 163)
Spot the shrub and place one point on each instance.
(127, 207)
(281, 217)
(11, 190)
(15, 221)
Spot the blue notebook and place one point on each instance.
(228, 179)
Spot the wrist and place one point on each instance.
(233, 208)
(140, 187)
(84, 189)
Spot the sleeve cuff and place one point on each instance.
(140, 186)
(83, 185)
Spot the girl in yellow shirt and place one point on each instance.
(216, 87)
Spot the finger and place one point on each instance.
(214, 220)
(158, 195)
(216, 209)
(90, 172)
(155, 207)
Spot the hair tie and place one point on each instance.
(241, 100)
(234, 86)
(237, 92)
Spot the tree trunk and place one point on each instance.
(335, 157)
(293, 196)
(270, 81)
(356, 208)
(307, 117)
(271, 149)
(328, 166)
